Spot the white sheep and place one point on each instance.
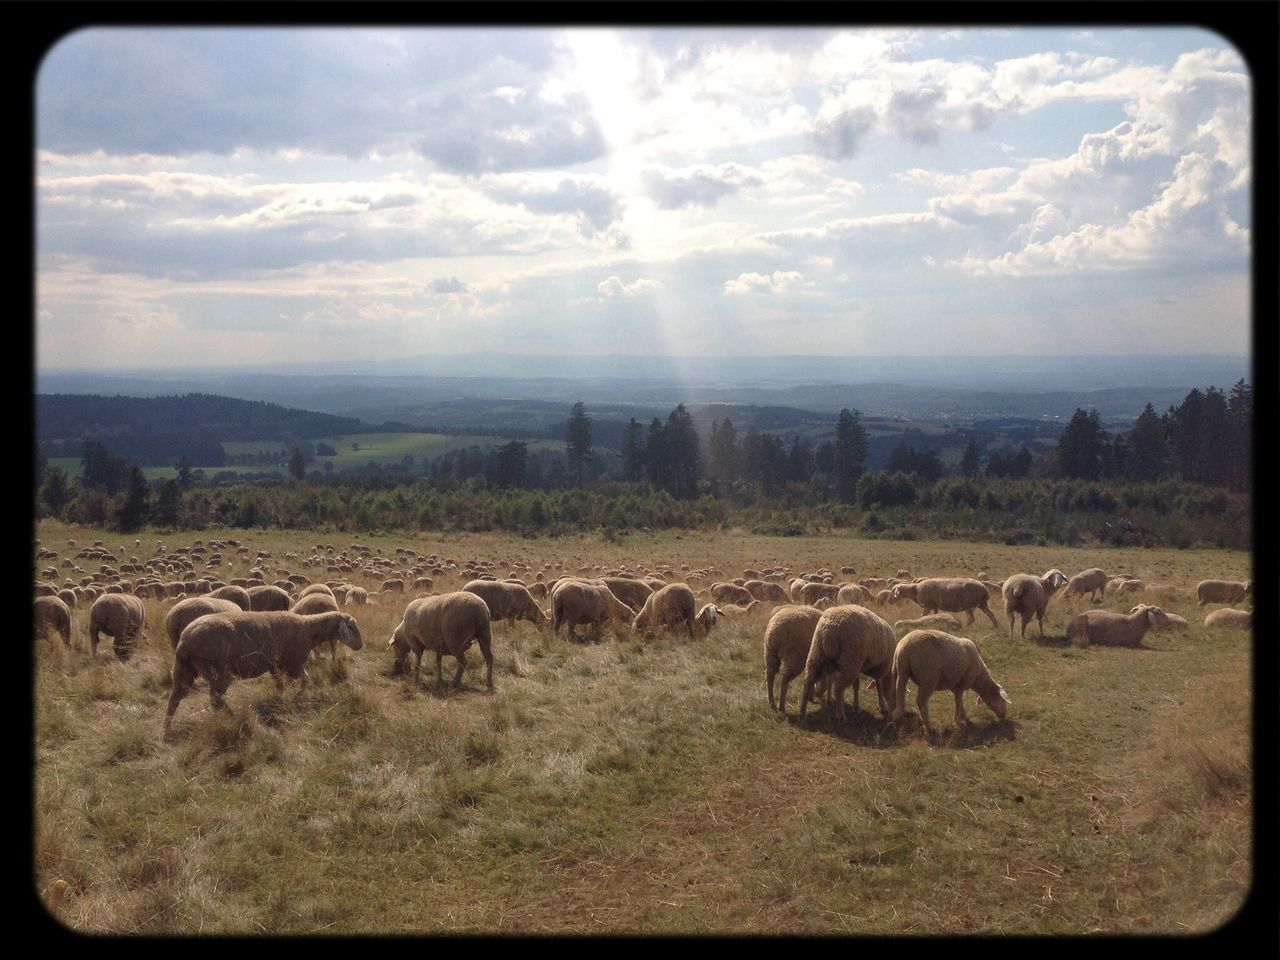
(123, 617)
(267, 598)
(1092, 581)
(672, 607)
(1029, 595)
(446, 623)
(185, 611)
(508, 601)
(1171, 622)
(787, 639)
(51, 614)
(939, 661)
(949, 594)
(1230, 618)
(1114, 629)
(847, 642)
(576, 602)
(221, 646)
(1222, 591)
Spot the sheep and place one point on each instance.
(1114, 629)
(121, 615)
(508, 601)
(53, 614)
(631, 592)
(575, 602)
(734, 610)
(446, 623)
(68, 597)
(184, 611)
(1222, 591)
(939, 661)
(672, 606)
(850, 641)
(948, 594)
(1171, 623)
(1230, 618)
(1092, 581)
(853, 593)
(237, 595)
(767, 592)
(395, 585)
(356, 597)
(730, 593)
(1029, 595)
(245, 644)
(811, 592)
(787, 638)
(266, 598)
(932, 621)
(312, 588)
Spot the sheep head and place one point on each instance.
(998, 703)
(349, 632)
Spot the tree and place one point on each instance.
(41, 463)
(577, 438)
(512, 461)
(56, 490)
(656, 454)
(100, 470)
(1080, 448)
(1146, 448)
(971, 459)
(850, 454)
(683, 458)
(1240, 417)
(184, 472)
(799, 460)
(632, 452)
(725, 454)
(133, 512)
(167, 504)
(297, 464)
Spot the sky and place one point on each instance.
(216, 196)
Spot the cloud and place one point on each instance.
(774, 282)
(447, 285)
(615, 287)
(697, 186)
(840, 137)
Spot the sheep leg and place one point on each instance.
(277, 675)
(787, 677)
(770, 672)
(440, 667)
(987, 610)
(923, 693)
(183, 679)
(462, 664)
(417, 668)
(962, 718)
(970, 614)
(487, 650)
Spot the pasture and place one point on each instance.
(642, 785)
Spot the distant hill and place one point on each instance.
(156, 431)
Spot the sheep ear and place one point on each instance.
(1004, 696)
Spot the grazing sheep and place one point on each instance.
(1222, 591)
(1092, 581)
(185, 611)
(767, 592)
(357, 597)
(123, 617)
(267, 598)
(950, 594)
(52, 614)
(849, 641)
(576, 602)
(1230, 619)
(933, 621)
(735, 610)
(313, 588)
(730, 593)
(68, 597)
(446, 623)
(395, 585)
(1029, 595)
(631, 592)
(672, 606)
(939, 661)
(1170, 624)
(787, 639)
(222, 646)
(854, 593)
(508, 601)
(1114, 629)
(237, 595)
(812, 592)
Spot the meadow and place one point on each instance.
(643, 785)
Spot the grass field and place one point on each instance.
(644, 786)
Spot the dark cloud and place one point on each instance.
(702, 188)
(913, 114)
(842, 136)
(594, 203)
(448, 285)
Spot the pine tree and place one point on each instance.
(184, 472)
(133, 512)
(1080, 448)
(850, 454)
(632, 452)
(297, 464)
(684, 461)
(1240, 416)
(56, 490)
(726, 456)
(577, 441)
(1146, 448)
(971, 460)
(656, 454)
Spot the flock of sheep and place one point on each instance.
(245, 627)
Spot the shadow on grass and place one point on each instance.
(1050, 640)
(868, 729)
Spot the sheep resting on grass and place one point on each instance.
(1230, 618)
(446, 623)
(939, 661)
(1114, 629)
(221, 646)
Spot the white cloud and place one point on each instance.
(775, 282)
(616, 287)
